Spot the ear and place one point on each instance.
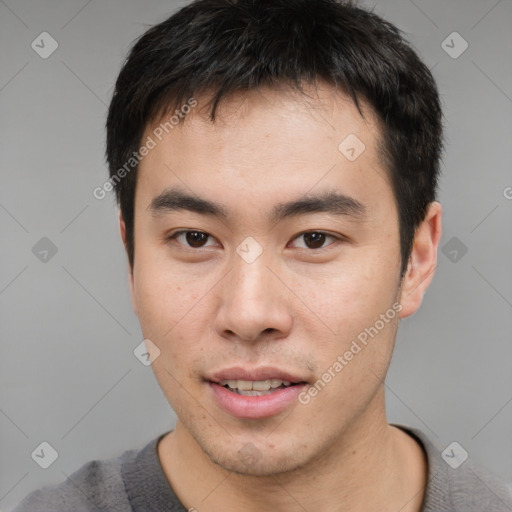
(122, 231)
(422, 262)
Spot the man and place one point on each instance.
(276, 165)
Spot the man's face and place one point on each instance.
(256, 296)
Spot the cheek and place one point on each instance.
(348, 297)
(353, 345)
(167, 305)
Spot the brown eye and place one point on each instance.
(191, 238)
(196, 238)
(314, 239)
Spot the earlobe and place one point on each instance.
(122, 231)
(422, 262)
(132, 293)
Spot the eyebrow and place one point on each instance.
(332, 202)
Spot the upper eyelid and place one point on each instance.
(181, 231)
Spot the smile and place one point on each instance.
(257, 387)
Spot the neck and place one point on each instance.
(373, 466)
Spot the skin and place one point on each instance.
(295, 308)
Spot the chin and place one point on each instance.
(254, 454)
(253, 461)
(256, 449)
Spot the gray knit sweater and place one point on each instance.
(135, 481)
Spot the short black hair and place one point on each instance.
(219, 47)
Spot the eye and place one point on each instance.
(191, 238)
(314, 239)
(197, 239)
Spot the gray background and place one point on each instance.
(68, 373)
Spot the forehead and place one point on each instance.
(272, 142)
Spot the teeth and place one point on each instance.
(256, 385)
(275, 383)
(244, 385)
(261, 385)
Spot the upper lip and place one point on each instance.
(254, 374)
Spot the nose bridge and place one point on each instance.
(250, 284)
(251, 300)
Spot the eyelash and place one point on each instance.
(336, 238)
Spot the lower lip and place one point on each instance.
(255, 407)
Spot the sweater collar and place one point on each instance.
(148, 489)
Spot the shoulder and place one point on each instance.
(98, 484)
(457, 483)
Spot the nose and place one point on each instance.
(254, 303)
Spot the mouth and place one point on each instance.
(255, 394)
(257, 387)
